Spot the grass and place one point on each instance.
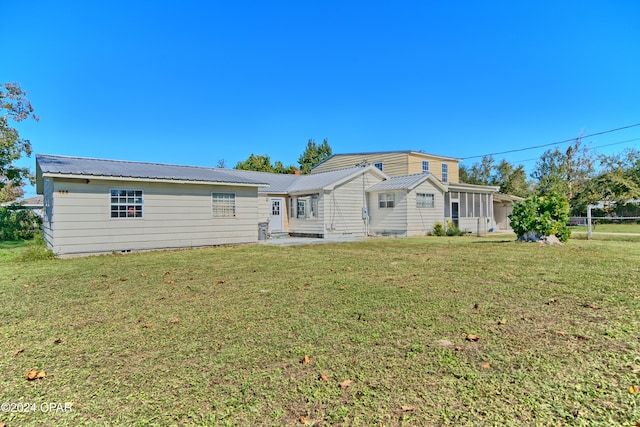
(219, 336)
(610, 228)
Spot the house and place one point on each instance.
(97, 206)
(471, 207)
(34, 204)
(322, 205)
(396, 163)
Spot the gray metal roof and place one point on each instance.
(404, 182)
(322, 180)
(62, 165)
(278, 183)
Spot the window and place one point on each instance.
(313, 207)
(126, 203)
(425, 166)
(302, 208)
(223, 205)
(445, 172)
(378, 165)
(425, 200)
(385, 200)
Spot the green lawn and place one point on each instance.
(610, 228)
(219, 336)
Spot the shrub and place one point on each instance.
(453, 230)
(36, 250)
(542, 215)
(17, 223)
(438, 229)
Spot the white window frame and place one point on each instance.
(445, 172)
(425, 200)
(425, 166)
(386, 200)
(221, 206)
(301, 208)
(132, 201)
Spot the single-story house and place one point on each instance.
(98, 206)
(34, 204)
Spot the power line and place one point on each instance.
(553, 143)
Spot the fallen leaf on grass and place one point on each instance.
(220, 282)
(174, 320)
(123, 279)
(305, 360)
(472, 337)
(635, 368)
(634, 389)
(346, 383)
(323, 377)
(590, 305)
(502, 322)
(408, 408)
(563, 333)
(147, 325)
(306, 421)
(57, 341)
(2, 424)
(35, 374)
(169, 282)
(18, 351)
(485, 365)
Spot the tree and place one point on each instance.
(14, 106)
(512, 180)
(617, 183)
(563, 173)
(10, 192)
(313, 155)
(259, 163)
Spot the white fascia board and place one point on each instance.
(159, 180)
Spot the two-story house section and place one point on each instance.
(396, 163)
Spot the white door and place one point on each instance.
(277, 217)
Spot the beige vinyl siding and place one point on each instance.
(435, 166)
(174, 215)
(47, 223)
(388, 221)
(420, 221)
(393, 164)
(343, 208)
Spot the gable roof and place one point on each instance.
(288, 183)
(406, 182)
(62, 166)
(74, 167)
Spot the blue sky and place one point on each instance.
(193, 82)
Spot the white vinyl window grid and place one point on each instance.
(425, 200)
(445, 172)
(126, 204)
(223, 205)
(425, 166)
(302, 208)
(378, 165)
(386, 200)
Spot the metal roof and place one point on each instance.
(323, 180)
(62, 165)
(404, 182)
